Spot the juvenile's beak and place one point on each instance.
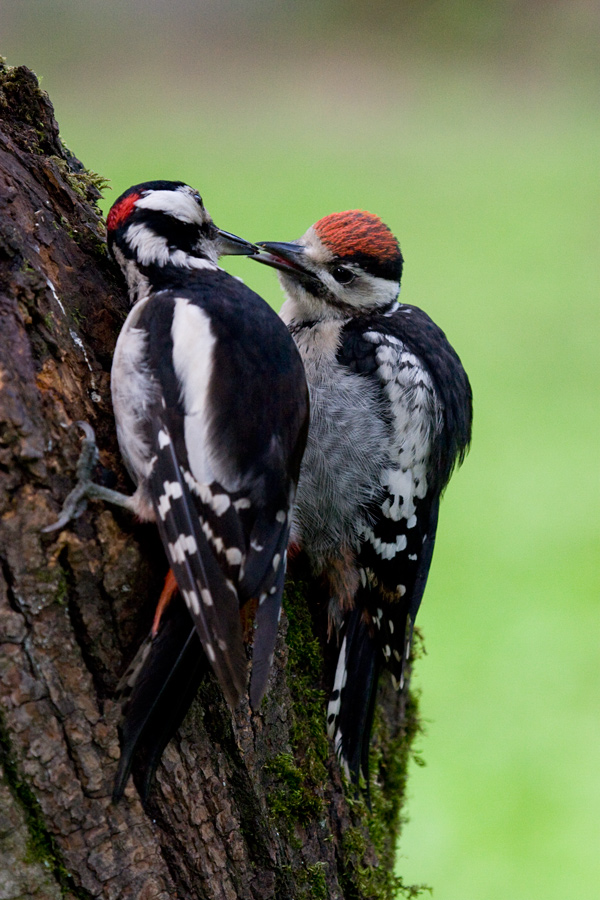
(232, 245)
(285, 257)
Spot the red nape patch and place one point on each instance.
(121, 211)
(357, 232)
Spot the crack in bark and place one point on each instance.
(80, 630)
(42, 843)
(11, 596)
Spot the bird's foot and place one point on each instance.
(85, 489)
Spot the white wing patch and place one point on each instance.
(193, 347)
(172, 490)
(184, 544)
(218, 502)
(416, 417)
(383, 549)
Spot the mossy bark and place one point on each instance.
(244, 805)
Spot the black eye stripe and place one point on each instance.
(375, 265)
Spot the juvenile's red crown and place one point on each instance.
(358, 233)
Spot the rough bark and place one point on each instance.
(244, 805)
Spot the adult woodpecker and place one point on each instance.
(211, 408)
(391, 412)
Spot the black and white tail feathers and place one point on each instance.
(269, 591)
(161, 682)
(368, 647)
(156, 692)
(218, 567)
(352, 701)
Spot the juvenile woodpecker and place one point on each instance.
(211, 406)
(391, 413)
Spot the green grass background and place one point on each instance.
(474, 135)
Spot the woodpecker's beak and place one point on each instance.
(232, 245)
(285, 257)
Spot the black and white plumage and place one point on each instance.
(211, 406)
(391, 414)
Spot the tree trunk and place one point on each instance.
(244, 805)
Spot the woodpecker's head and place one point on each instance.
(346, 264)
(164, 223)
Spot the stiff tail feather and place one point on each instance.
(160, 686)
(352, 702)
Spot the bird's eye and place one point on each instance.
(343, 275)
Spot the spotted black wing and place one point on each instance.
(202, 535)
(397, 541)
(232, 411)
(428, 420)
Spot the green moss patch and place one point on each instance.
(299, 777)
(42, 846)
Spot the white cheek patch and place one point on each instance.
(139, 286)
(147, 246)
(367, 291)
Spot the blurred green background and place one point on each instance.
(471, 129)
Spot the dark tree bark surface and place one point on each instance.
(245, 805)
